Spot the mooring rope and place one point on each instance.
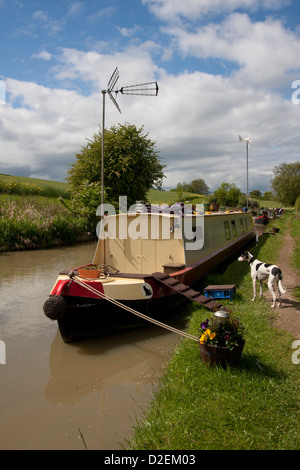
(131, 310)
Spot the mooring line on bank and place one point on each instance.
(131, 310)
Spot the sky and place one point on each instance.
(224, 69)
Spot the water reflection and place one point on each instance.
(79, 369)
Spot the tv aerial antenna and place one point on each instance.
(145, 89)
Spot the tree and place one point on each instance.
(268, 195)
(286, 182)
(255, 193)
(196, 186)
(199, 187)
(227, 194)
(132, 167)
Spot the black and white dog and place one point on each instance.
(262, 271)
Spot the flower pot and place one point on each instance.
(216, 355)
(89, 273)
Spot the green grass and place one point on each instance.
(170, 197)
(23, 186)
(272, 204)
(49, 188)
(254, 406)
(34, 214)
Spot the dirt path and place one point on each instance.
(287, 317)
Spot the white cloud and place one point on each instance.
(46, 129)
(135, 62)
(44, 55)
(191, 9)
(195, 120)
(40, 16)
(201, 117)
(128, 32)
(75, 8)
(102, 13)
(265, 52)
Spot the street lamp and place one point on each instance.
(247, 140)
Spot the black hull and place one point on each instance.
(261, 221)
(84, 320)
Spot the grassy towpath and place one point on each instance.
(254, 406)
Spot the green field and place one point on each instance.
(50, 188)
(16, 184)
(170, 197)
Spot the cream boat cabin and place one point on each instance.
(135, 250)
(140, 243)
(146, 243)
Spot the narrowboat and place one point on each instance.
(147, 262)
(262, 219)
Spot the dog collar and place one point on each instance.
(251, 260)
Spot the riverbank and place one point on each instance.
(31, 222)
(254, 406)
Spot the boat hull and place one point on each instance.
(84, 319)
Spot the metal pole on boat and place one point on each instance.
(146, 89)
(112, 81)
(102, 155)
(247, 144)
(150, 89)
(247, 140)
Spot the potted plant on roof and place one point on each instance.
(89, 271)
(222, 339)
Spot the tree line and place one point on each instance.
(285, 186)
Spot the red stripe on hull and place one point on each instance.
(69, 288)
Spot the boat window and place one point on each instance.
(227, 230)
(233, 228)
(242, 226)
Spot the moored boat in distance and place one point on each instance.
(262, 219)
(148, 262)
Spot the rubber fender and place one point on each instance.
(55, 307)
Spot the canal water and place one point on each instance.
(85, 395)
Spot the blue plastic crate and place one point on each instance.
(220, 292)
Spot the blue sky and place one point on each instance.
(224, 68)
